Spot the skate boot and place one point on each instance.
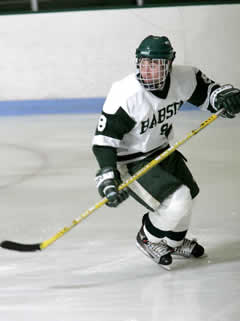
(159, 252)
(189, 248)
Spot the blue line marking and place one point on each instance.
(58, 106)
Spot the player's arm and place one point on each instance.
(209, 95)
(203, 88)
(109, 133)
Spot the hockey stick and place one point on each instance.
(10, 245)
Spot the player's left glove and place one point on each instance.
(228, 98)
(107, 181)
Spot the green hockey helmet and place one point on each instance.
(155, 47)
(154, 58)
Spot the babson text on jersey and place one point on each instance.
(161, 116)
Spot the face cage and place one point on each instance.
(155, 76)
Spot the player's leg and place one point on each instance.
(150, 190)
(170, 222)
(180, 170)
(170, 202)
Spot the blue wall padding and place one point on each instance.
(57, 106)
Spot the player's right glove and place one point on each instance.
(107, 181)
(228, 98)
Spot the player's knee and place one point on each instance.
(183, 192)
(175, 209)
(180, 203)
(182, 199)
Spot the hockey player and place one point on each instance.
(136, 125)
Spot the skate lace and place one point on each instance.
(159, 249)
(186, 248)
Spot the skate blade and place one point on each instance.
(179, 257)
(165, 267)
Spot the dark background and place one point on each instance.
(21, 6)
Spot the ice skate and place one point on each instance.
(159, 252)
(189, 248)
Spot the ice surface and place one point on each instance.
(95, 272)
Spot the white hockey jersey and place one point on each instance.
(136, 122)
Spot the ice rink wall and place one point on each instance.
(66, 61)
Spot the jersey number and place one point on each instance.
(164, 129)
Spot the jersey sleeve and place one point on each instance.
(202, 92)
(114, 122)
(109, 132)
(105, 156)
(112, 127)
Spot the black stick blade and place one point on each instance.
(9, 245)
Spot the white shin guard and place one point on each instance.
(174, 214)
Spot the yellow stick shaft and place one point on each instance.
(140, 173)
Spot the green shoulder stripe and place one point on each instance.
(115, 125)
